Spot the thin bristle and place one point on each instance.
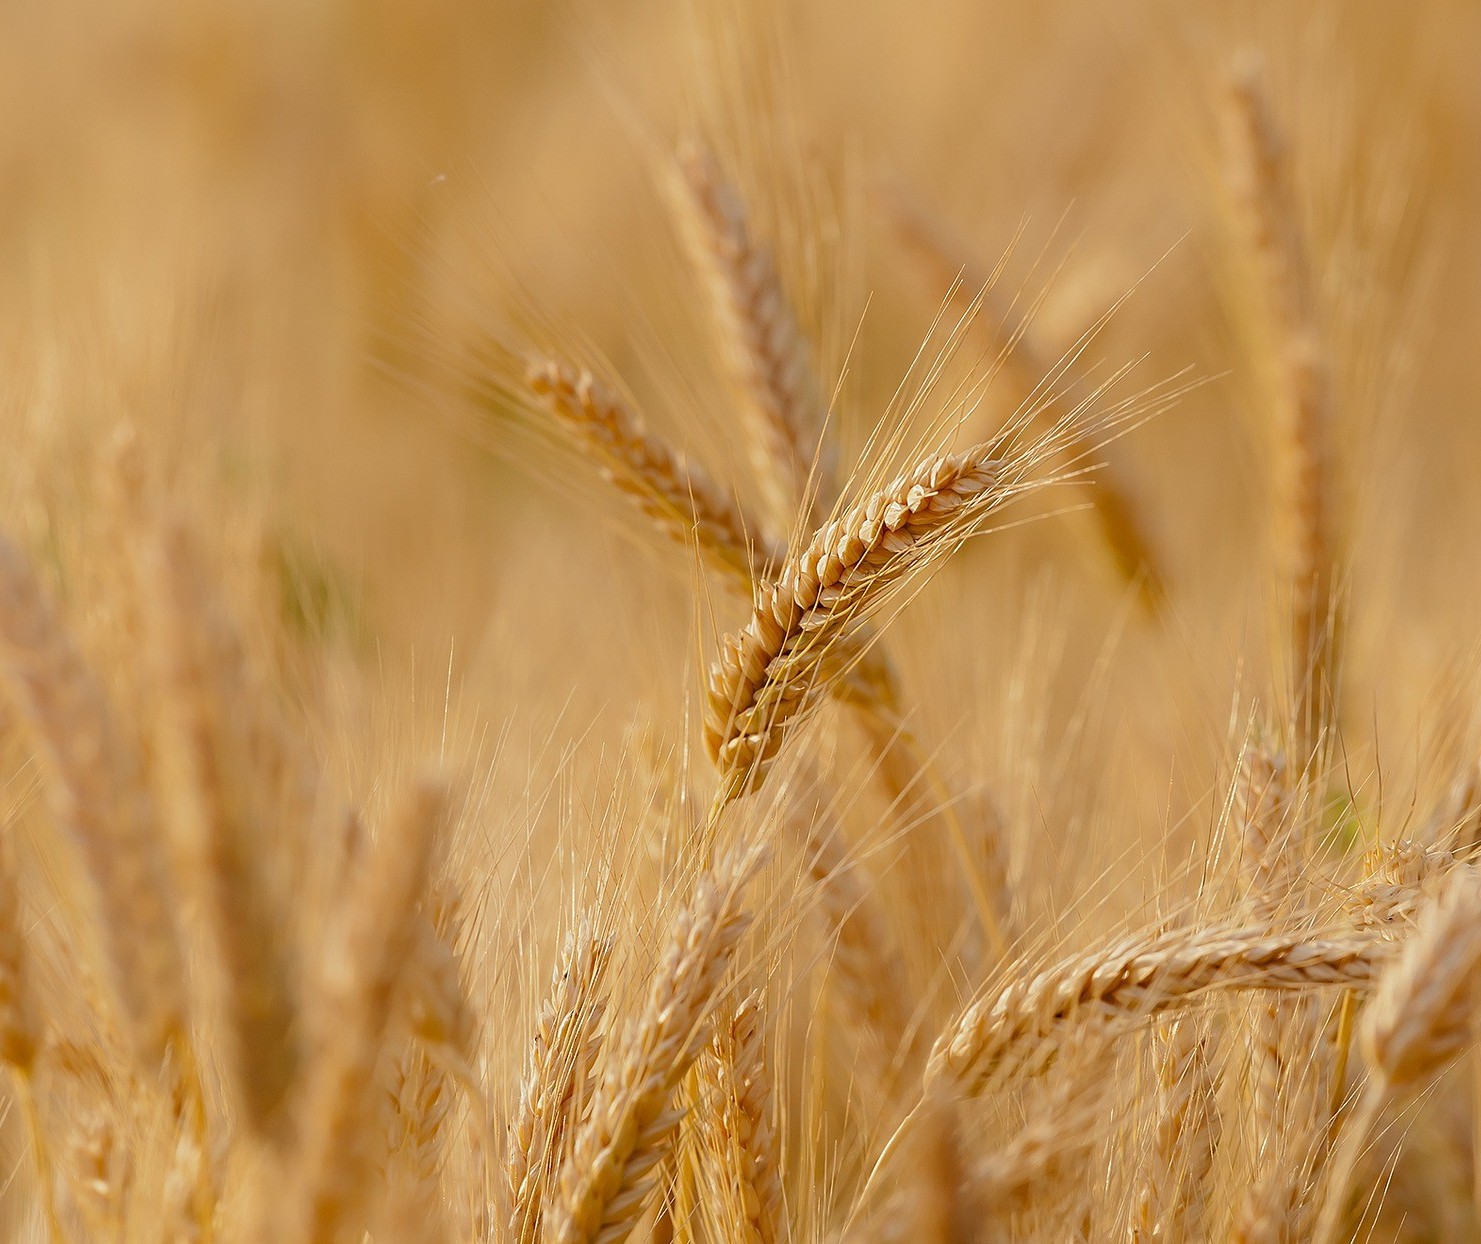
(1041, 383)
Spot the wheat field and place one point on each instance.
(726, 622)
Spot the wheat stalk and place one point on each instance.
(1137, 978)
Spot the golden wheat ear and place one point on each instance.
(1259, 180)
(758, 333)
(558, 1078)
(1422, 1016)
(1128, 982)
(769, 674)
(737, 1148)
(98, 800)
(221, 784)
(675, 492)
(362, 976)
(612, 1164)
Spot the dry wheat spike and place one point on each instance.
(611, 1166)
(1136, 978)
(770, 673)
(758, 333)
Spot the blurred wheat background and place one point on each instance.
(1015, 772)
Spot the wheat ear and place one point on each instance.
(361, 980)
(556, 1082)
(1400, 880)
(1137, 978)
(1284, 1091)
(738, 1151)
(611, 1167)
(1169, 1202)
(676, 493)
(770, 673)
(1421, 1017)
(97, 796)
(1259, 179)
(758, 331)
(219, 802)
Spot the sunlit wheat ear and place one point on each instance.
(773, 671)
(1041, 382)
(758, 333)
(1400, 880)
(417, 1104)
(738, 1149)
(360, 982)
(1283, 1039)
(611, 1167)
(1173, 1187)
(676, 493)
(1259, 179)
(1422, 1016)
(557, 1077)
(95, 790)
(222, 805)
(1138, 977)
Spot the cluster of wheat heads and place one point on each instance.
(796, 991)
